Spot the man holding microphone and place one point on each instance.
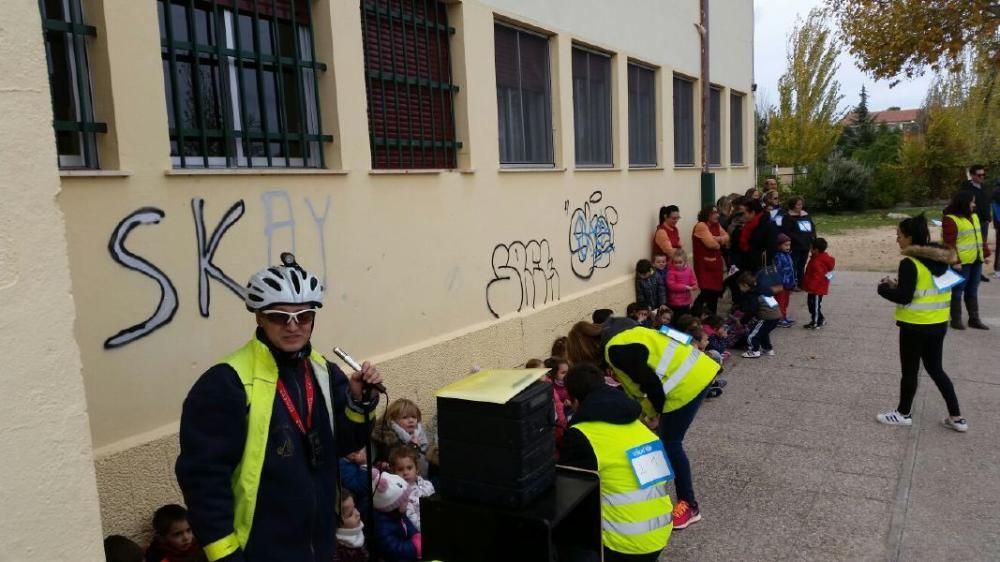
(262, 430)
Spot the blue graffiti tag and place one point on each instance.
(592, 236)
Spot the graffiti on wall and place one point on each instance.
(207, 269)
(524, 275)
(592, 236)
(167, 305)
(279, 219)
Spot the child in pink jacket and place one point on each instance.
(681, 284)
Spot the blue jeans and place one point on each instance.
(673, 426)
(969, 288)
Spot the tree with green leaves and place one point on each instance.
(893, 38)
(805, 126)
(860, 130)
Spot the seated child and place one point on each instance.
(647, 288)
(350, 531)
(354, 477)
(638, 311)
(121, 549)
(600, 315)
(663, 317)
(557, 373)
(403, 461)
(534, 364)
(686, 323)
(396, 539)
(718, 335)
(557, 402)
(173, 540)
(700, 340)
(401, 425)
(559, 344)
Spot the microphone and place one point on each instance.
(357, 367)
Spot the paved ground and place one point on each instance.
(790, 463)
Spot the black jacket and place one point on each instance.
(801, 240)
(604, 404)
(763, 241)
(296, 512)
(933, 257)
(983, 197)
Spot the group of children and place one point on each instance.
(760, 300)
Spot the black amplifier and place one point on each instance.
(502, 454)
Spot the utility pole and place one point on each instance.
(707, 177)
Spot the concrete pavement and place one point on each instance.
(790, 463)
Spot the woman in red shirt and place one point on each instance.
(708, 239)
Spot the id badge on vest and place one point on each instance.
(650, 464)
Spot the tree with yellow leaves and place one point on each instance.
(805, 124)
(893, 38)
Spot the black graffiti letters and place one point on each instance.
(524, 275)
(207, 269)
(592, 236)
(168, 294)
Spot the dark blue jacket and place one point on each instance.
(783, 261)
(393, 537)
(355, 478)
(296, 512)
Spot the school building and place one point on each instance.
(470, 177)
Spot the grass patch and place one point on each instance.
(843, 222)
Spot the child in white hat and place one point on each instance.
(396, 538)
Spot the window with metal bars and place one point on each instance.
(683, 122)
(524, 102)
(411, 119)
(641, 116)
(736, 128)
(69, 83)
(241, 83)
(592, 108)
(715, 127)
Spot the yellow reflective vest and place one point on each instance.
(258, 372)
(634, 520)
(683, 370)
(930, 305)
(969, 243)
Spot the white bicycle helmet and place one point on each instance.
(284, 284)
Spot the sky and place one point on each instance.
(773, 22)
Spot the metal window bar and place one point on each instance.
(413, 126)
(228, 59)
(452, 157)
(84, 124)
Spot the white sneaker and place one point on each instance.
(893, 417)
(751, 354)
(959, 425)
(996, 274)
(769, 352)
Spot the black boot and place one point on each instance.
(956, 315)
(974, 321)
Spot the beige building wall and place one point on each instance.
(428, 272)
(47, 491)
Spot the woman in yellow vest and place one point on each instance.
(960, 230)
(665, 374)
(922, 298)
(606, 436)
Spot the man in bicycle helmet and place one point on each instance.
(262, 430)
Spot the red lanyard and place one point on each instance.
(310, 393)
